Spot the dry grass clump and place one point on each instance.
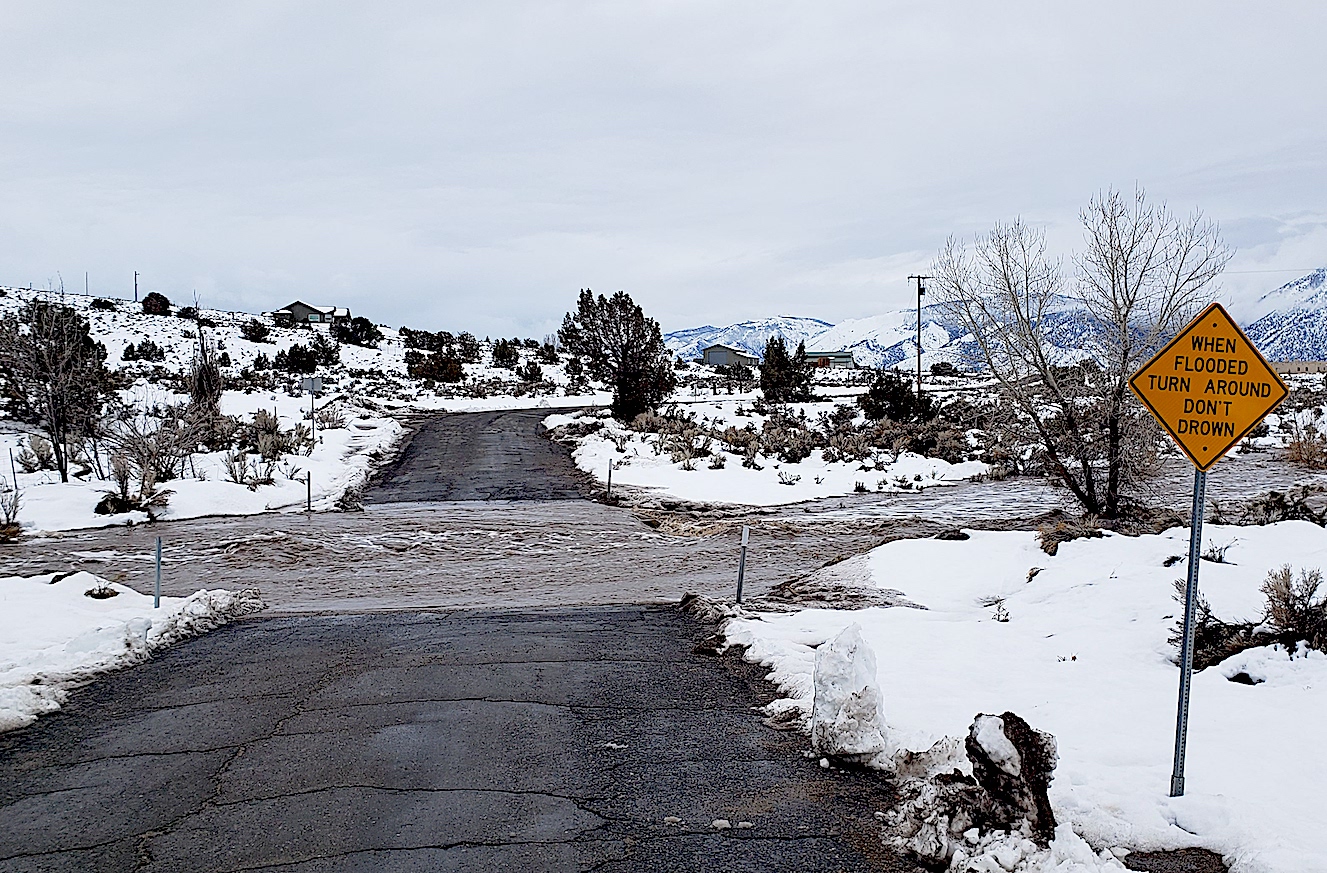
(1307, 447)
(10, 501)
(1051, 535)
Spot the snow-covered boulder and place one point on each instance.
(1014, 763)
(845, 717)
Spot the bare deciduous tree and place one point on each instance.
(1142, 275)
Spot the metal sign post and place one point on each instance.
(313, 385)
(741, 562)
(1208, 388)
(1186, 650)
(609, 494)
(308, 482)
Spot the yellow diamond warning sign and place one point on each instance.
(1209, 386)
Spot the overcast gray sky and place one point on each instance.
(471, 165)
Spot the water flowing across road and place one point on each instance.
(424, 541)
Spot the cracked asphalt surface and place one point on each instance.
(566, 737)
(430, 741)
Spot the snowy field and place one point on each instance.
(53, 636)
(639, 460)
(1077, 645)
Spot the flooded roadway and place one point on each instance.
(417, 545)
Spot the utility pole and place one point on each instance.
(135, 286)
(921, 290)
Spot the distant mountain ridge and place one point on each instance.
(1290, 325)
(1293, 323)
(750, 336)
(885, 340)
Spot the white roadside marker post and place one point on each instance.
(156, 589)
(741, 562)
(308, 500)
(313, 385)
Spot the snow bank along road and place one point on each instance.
(469, 740)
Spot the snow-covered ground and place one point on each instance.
(54, 636)
(1084, 655)
(370, 388)
(342, 458)
(637, 461)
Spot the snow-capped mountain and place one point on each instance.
(750, 336)
(1292, 322)
(885, 340)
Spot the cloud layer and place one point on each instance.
(473, 165)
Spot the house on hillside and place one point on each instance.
(300, 312)
(836, 360)
(720, 355)
(1287, 367)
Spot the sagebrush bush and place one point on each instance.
(1296, 609)
(1307, 447)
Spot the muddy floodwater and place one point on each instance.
(427, 538)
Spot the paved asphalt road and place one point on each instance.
(556, 739)
(481, 456)
(429, 741)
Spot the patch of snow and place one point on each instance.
(845, 716)
(991, 737)
(1084, 656)
(53, 636)
(642, 465)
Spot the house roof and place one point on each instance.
(325, 310)
(729, 348)
(840, 352)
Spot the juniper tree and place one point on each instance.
(359, 332)
(621, 347)
(785, 378)
(156, 303)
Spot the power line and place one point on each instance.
(1241, 272)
